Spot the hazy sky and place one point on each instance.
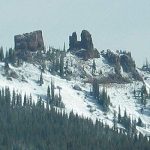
(114, 24)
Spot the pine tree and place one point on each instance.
(125, 114)
(7, 96)
(25, 100)
(52, 92)
(12, 56)
(1, 54)
(30, 100)
(96, 92)
(41, 79)
(93, 67)
(48, 97)
(6, 67)
(7, 55)
(57, 67)
(119, 115)
(13, 98)
(59, 96)
(114, 121)
(64, 49)
(104, 99)
(133, 127)
(134, 92)
(140, 123)
(61, 65)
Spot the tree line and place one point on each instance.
(25, 124)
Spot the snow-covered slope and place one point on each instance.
(78, 101)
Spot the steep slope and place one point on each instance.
(80, 101)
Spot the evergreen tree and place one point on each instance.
(140, 123)
(61, 65)
(57, 65)
(6, 67)
(13, 98)
(134, 92)
(104, 99)
(133, 128)
(11, 56)
(119, 115)
(64, 49)
(52, 92)
(48, 97)
(41, 79)
(93, 67)
(30, 100)
(36, 128)
(96, 92)
(25, 100)
(1, 54)
(115, 121)
(7, 55)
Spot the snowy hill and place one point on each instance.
(79, 101)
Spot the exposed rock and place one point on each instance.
(87, 54)
(124, 60)
(114, 78)
(113, 59)
(77, 87)
(29, 41)
(73, 41)
(127, 62)
(86, 40)
(83, 48)
(129, 66)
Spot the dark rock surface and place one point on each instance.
(73, 41)
(85, 43)
(113, 60)
(86, 40)
(29, 41)
(127, 63)
(83, 48)
(124, 60)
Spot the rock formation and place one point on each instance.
(29, 41)
(127, 63)
(73, 41)
(83, 48)
(124, 60)
(86, 40)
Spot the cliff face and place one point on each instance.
(86, 40)
(85, 43)
(83, 48)
(29, 41)
(124, 60)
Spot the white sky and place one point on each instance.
(114, 24)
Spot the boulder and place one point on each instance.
(29, 41)
(77, 87)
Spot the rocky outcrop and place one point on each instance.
(124, 60)
(113, 60)
(29, 41)
(127, 62)
(86, 40)
(129, 66)
(73, 42)
(83, 48)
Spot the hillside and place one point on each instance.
(26, 77)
